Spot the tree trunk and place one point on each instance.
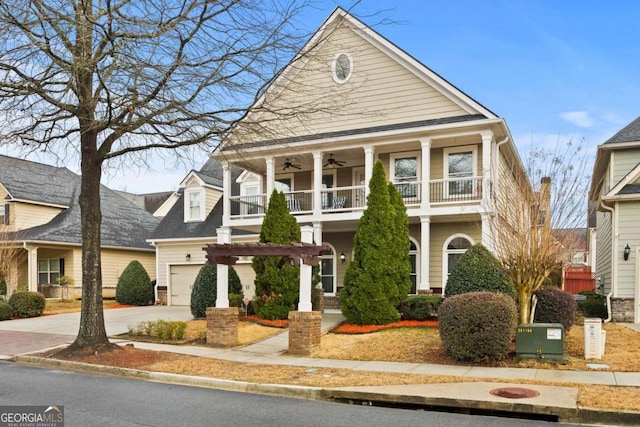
(524, 301)
(92, 334)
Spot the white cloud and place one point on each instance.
(579, 118)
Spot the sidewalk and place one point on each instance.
(556, 401)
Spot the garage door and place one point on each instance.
(182, 278)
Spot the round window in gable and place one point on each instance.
(342, 68)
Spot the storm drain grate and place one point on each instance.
(514, 392)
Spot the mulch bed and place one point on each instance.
(265, 322)
(349, 328)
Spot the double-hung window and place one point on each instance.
(49, 269)
(460, 163)
(405, 174)
(194, 204)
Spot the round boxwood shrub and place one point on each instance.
(6, 311)
(419, 307)
(134, 286)
(595, 305)
(478, 270)
(555, 306)
(27, 304)
(205, 289)
(477, 326)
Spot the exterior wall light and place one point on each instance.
(627, 251)
(343, 257)
(188, 257)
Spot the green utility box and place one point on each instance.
(540, 341)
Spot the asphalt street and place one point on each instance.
(108, 401)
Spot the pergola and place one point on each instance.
(228, 253)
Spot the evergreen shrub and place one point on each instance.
(205, 289)
(134, 286)
(420, 307)
(27, 304)
(555, 306)
(6, 311)
(594, 306)
(478, 270)
(477, 326)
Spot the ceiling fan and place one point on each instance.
(333, 162)
(288, 164)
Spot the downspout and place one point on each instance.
(609, 314)
(155, 287)
(494, 169)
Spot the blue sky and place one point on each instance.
(555, 70)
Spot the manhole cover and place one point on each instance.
(514, 392)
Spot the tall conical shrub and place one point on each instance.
(134, 285)
(277, 281)
(205, 288)
(400, 264)
(369, 285)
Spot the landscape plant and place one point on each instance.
(477, 326)
(6, 311)
(555, 306)
(371, 292)
(420, 307)
(400, 264)
(478, 270)
(134, 285)
(27, 304)
(205, 289)
(594, 305)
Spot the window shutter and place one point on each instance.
(6, 214)
(61, 266)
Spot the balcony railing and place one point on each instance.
(455, 190)
(351, 199)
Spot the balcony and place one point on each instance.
(352, 199)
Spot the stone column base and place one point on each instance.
(304, 331)
(222, 327)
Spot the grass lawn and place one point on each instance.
(59, 306)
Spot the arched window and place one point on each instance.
(454, 247)
(328, 270)
(414, 256)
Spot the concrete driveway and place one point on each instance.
(38, 333)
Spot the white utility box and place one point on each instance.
(594, 338)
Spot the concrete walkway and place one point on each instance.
(37, 333)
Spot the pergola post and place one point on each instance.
(305, 273)
(222, 320)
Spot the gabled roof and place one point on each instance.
(628, 137)
(630, 133)
(124, 224)
(209, 174)
(36, 182)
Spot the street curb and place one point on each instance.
(581, 415)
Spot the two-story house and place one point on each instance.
(615, 186)
(353, 98)
(41, 234)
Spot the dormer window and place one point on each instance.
(194, 204)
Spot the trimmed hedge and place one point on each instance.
(205, 289)
(420, 307)
(477, 326)
(555, 306)
(134, 285)
(478, 270)
(27, 304)
(6, 311)
(594, 306)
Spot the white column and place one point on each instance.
(222, 285)
(368, 167)
(32, 266)
(487, 140)
(271, 178)
(317, 238)
(425, 173)
(425, 243)
(487, 232)
(226, 193)
(317, 183)
(305, 273)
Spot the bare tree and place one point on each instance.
(110, 78)
(551, 196)
(10, 252)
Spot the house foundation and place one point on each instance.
(222, 326)
(304, 331)
(622, 310)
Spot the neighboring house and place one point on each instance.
(157, 204)
(615, 185)
(453, 160)
(188, 226)
(41, 227)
